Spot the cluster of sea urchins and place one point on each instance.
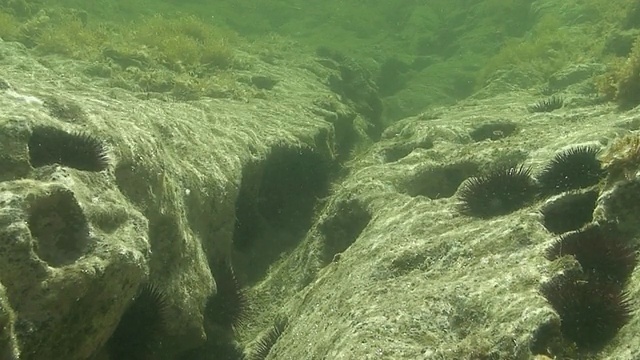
(506, 189)
(592, 304)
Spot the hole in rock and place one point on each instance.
(439, 182)
(60, 228)
(343, 227)
(493, 131)
(569, 212)
(399, 151)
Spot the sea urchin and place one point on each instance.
(547, 105)
(499, 192)
(591, 312)
(601, 249)
(228, 306)
(577, 167)
(49, 145)
(136, 336)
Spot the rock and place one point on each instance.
(574, 74)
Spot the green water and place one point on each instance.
(419, 53)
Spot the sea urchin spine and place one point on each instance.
(136, 337)
(228, 307)
(591, 312)
(49, 145)
(497, 193)
(574, 168)
(601, 249)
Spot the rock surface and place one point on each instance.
(379, 265)
(159, 214)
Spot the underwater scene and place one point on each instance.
(319, 180)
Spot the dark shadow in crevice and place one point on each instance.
(166, 242)
(341, 229)
(59, 227)
(276, 203)
(356, 87)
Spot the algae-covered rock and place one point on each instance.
(79, 242)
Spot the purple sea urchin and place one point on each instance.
(499, 192)
(547, 105)
(268, 340)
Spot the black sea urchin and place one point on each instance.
(49, 145)
(547, 105)
(575, 168)
(591, 312)
(499, 192)
(268, 340)
(136, 336)
(601, 249)
(228, 307)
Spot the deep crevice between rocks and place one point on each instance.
(276, 203)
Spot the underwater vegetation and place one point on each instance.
(9, 26)
(178, 55)
(622, 158)
(547, 48)
(622, 82)
(177, 43)
(185, 41)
